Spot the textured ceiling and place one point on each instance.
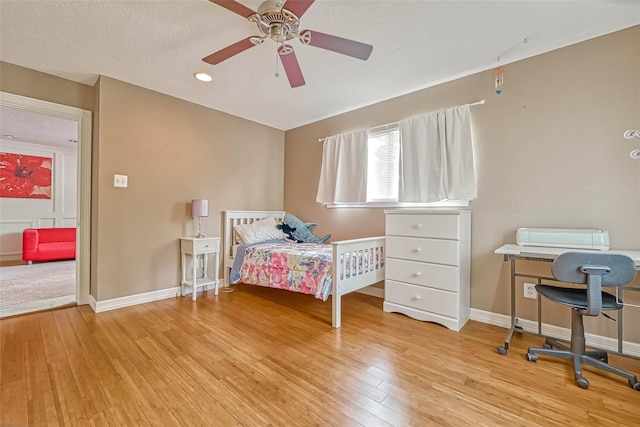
(28, 126)
(159, 45)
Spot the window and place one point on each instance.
(382, 165)
(403, 164)
(383, 172)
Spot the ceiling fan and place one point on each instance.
(279, 20)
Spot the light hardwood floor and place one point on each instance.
(264, 357)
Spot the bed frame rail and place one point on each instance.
(357, 263)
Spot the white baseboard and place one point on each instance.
(599, 341)
(130, 300)
(92, 303)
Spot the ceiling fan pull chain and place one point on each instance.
(277, 74)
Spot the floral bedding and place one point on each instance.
(298, 267)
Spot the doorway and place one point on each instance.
(82, 120)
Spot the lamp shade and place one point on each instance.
(199, 207)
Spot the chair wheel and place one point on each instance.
(582, 383)
(547, 345)
(518, 330)
(635, 386)
(532, 357)
(605, 359)
(501, 350)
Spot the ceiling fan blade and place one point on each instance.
(298, 7)
(229, 51)
(291, 66)
(234, 6)
(336, 44)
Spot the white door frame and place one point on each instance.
(83, 214)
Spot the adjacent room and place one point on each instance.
(444, 193)
(37, 268)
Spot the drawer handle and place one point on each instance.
(417, 298)
(418, 250)
(417, 226)
(417, 274)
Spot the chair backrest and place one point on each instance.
(595, 270)
(576, 267)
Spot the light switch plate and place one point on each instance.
(120, 181)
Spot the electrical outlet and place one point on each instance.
(120, 181)
(530, 291)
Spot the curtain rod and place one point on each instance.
(482, 101)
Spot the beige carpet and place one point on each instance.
(26, 288)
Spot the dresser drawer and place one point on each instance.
(419, 273)
(206, 245)
(426, 250)
(432, 300)
(416, 225)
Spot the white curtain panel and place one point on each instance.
(343, 178)
(436, 157)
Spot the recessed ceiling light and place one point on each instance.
(203, 77)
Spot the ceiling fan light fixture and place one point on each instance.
(278, 33)
(203, 77)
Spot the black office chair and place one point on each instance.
(595, 270)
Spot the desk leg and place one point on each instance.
(514, 323)
(620, 339)
(539, 310)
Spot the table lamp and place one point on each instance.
(199, 208)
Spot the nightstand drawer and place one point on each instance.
(206, 245)
(423, 274)
(432, 300)
(425, 250)
(433, 226)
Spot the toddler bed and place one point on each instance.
(337, 268)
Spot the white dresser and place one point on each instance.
(428, 255)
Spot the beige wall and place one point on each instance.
(34, 84)
(172, 151)
(549, 153)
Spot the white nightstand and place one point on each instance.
(198, 248)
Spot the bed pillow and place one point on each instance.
(302, 230)
(258, 231)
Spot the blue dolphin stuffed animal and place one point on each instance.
(302, 230)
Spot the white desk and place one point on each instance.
(513, 252)
(537, 252)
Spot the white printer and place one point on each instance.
(577, 238)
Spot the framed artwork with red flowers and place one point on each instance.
(25, 177)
